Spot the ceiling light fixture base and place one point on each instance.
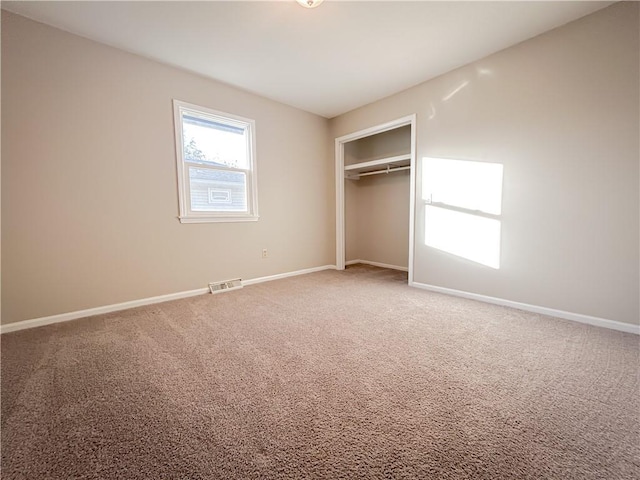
(310, 3)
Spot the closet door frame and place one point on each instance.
(340, 201)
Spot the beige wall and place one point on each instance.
(561, 113)
(351, 234)
(89, 193)
(382, 221)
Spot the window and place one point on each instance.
(216, 165)
(463, 207)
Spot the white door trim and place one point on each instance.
(339, 155)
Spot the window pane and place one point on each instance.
(217, 190)
(472, 237)
(461, 183)
(214, 142)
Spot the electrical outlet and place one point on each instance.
(264, 253)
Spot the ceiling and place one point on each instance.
(327, 60)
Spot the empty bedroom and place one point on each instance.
(309, 239)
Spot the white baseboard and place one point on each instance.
(377, 264)
(65, 317)
(288, 274)
(576, 317)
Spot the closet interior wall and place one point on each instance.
(377, 206)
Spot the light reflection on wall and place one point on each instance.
(463, 207)
(450, 95)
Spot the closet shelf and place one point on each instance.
(381, 165)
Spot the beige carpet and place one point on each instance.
(332, 375)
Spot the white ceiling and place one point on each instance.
(327, 60)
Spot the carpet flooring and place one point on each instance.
(331, 375)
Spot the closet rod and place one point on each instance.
(378, 172)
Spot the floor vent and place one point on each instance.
(227, 285)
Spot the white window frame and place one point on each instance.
(184, 194)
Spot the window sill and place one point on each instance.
(219, 219)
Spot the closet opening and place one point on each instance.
(375, 196)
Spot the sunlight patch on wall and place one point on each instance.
(469, 236)
(463, 207)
